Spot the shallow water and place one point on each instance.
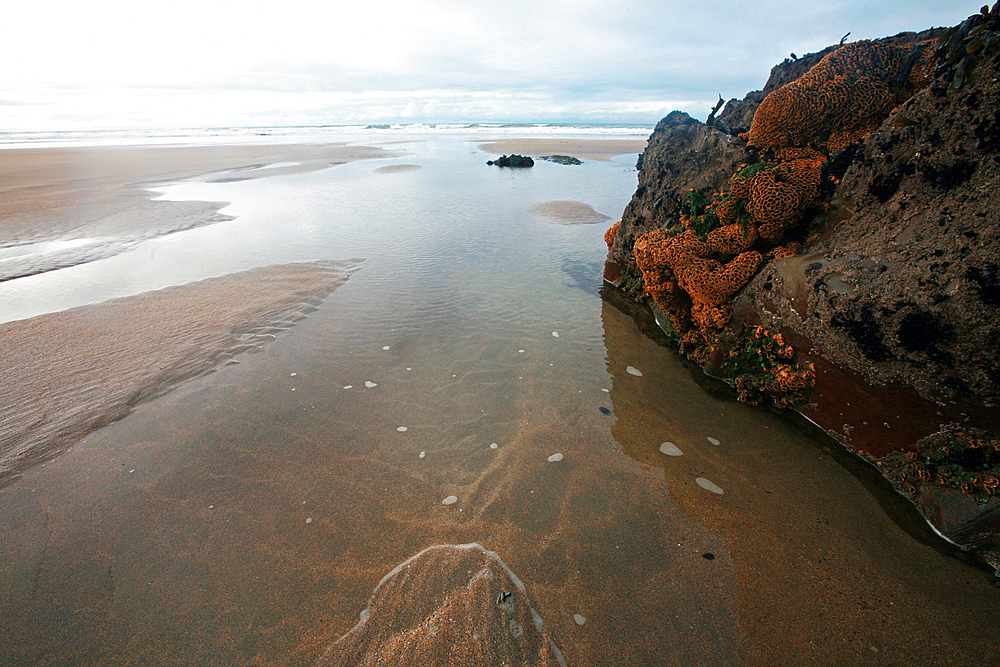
(246, 517)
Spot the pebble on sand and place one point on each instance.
(309, 520)
(580, 620)
(670, 449)
(714, 441)
(493, 445)
(401, 429)
(348, 386)
(632, 370)
(423, 454)
(293, 374)
(709, 486)
(555, 334)
(450, 500)
(385, 347)
(556, 457)
(370, 384)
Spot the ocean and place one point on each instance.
(473, 381)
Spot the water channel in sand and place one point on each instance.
(248, 516)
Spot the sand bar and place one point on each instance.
(91, 199)
(65, 374)
(601, 150)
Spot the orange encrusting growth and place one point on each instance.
(693, 270)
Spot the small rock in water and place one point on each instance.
(493, 445)
(401, 429)
(606, 391)
(580, 620)
(670, 449)
(556, 457)
(450, 500)
(370, 384)
(714, 441)
(604, 410)
(632, 370)
(555, 334)
(709, 486)
(423, 454)
(385, 347)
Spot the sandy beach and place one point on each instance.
(93, 200)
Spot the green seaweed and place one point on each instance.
(561, 159)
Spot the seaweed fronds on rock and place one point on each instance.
(761, 366)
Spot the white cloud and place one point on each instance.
(208, 62)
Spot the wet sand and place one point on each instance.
(92, 199)
(569, 213)
(601, 150)
(247, 517)
(68, 373)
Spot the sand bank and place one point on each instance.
(68, 373)
(569, 213)
(91, 202)
(596, 149)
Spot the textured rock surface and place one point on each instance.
(890, 288)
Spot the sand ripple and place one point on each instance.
(66, 374)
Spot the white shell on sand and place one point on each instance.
(385, 347)
(493, 445)
(580, 620)
(309, 520)
(632, 370)
(556, 457)
(293, 374)
(370, 384)
(555, 334)
(670, 449)
(401, 429)
(423, 454)
(450, 500)
(709, 486)
(348, 386)
(714, 441)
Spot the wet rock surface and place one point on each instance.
(889, 294)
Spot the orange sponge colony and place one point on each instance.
(840, 100)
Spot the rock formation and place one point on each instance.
(831, 242)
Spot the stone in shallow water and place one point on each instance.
(632, 370)
(713, 441)
(580, 620)
(670, 449)
(456, 605)
(556, 457)
(709, 485)
(450, 500)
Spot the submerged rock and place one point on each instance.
(448, 605)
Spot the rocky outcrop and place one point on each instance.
(832, 242)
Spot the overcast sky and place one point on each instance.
(123, 64)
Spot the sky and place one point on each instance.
(134, 64)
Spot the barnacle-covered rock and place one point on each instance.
(840, 100)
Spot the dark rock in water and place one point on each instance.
(604, 410)
(516, 161)
(448, 605)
